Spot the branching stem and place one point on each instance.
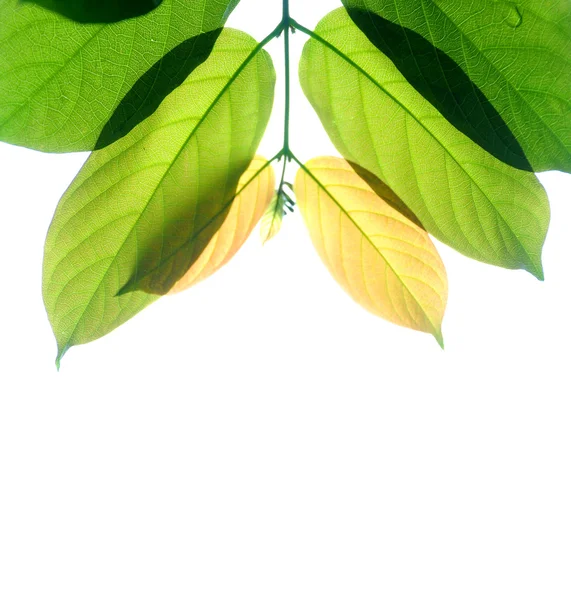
(285, 152)
(286, 23)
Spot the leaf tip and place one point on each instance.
(535, 269)
(60, 355)
(538, 273)
(439, 338)
(265, 237)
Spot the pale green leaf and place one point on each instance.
(151, 202)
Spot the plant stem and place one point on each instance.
(285, 152)
(286, 23)
(285, 158)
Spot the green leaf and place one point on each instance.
(499, 71)
(99, 11)
(460, 193)
(61, 82)
(151, 202)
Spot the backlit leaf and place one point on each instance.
(99, 11)
(463, 195)
(254, 192)
(151, 202)
(61, 81)
(383, 260)
(486, 64)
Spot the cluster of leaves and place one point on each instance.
(443, 110)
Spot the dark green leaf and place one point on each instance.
(459, 192)
(517, 55)
(60, 81)
(99, 11)
(143, 209)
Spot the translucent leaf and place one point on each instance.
(499, 70)
(61, 81)
(153, 200)
(463, 195)
(99, 11)
(383, 260)
(254, 192)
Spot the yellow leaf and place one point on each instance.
(383, 260)
(255, 191)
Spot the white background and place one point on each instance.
(262, 437)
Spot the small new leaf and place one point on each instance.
(273, 217)
(383, 260)
(255, 191)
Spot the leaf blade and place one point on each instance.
(383, 260)
(462, 195)
(170, 180)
